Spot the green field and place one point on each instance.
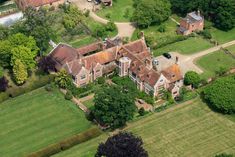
(189, 46)
(35, 120)
(118, 12)
(222, 36)
(216, 59)
(170, 31)
(190, 129)
(232, 49)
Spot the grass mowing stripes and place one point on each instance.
(32, 121)
(189, 129)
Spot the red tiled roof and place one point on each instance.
(63, 54)
(173, 73)
(37, 3)
(90, 48)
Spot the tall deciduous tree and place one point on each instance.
(19, 72)
(122, 145)
(37, 25)
(148, 12)
(113, 107)
(24, 55)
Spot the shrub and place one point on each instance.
(48, 87)
(220, 95)
(110, 26)
(192, 78)
(101, 80)
(1, 72)
(3, 84)
(87, 13)
(206, 34)
(221, 71)
(108, 15)
(141, 111)
(68, 95)
(162, 28)
(67, 143)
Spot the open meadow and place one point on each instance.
(37, 119)
(189, 129)
(217, 60)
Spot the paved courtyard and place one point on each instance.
(186, 62)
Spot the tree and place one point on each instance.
(113, 107)
(47, 64)
(148, 12)
(192, 78)
(24, 55)
(3, 84)
(4, 32)
(123, 144)
(19, 72)
(62, 79)
(1, 72)
(37, 24)
(5, 53)
(14, 41)
(220, 95)
(220, 12)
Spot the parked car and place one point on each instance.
(167, 55)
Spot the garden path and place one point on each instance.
(125, 29)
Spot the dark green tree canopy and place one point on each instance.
(148, 12)
(220, 12)
(113, 107)
(220, 95)
(122, 145)
(192, 78)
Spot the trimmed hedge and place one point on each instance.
(67, 143)
(19, 90)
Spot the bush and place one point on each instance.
(141, 111)
(1, 72)
(68, 95)
(87, 13)
(108, 15)
(162, 28)
(220, 95)
(206, 34)
(40, 82)
(48, 87)
(67, 143)
(110, 26)
(192, 78)
(3, 84)
(101, 80)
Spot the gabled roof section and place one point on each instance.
(137, 46)
(63, 54)
(173, 73)
(98, 46)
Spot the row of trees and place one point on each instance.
(220, 12)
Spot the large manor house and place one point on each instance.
(134, 59)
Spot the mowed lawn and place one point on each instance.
(186, 47)
(189, 129)
(223, 36)
(121, 11)
(216, 60)
(35, 120)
